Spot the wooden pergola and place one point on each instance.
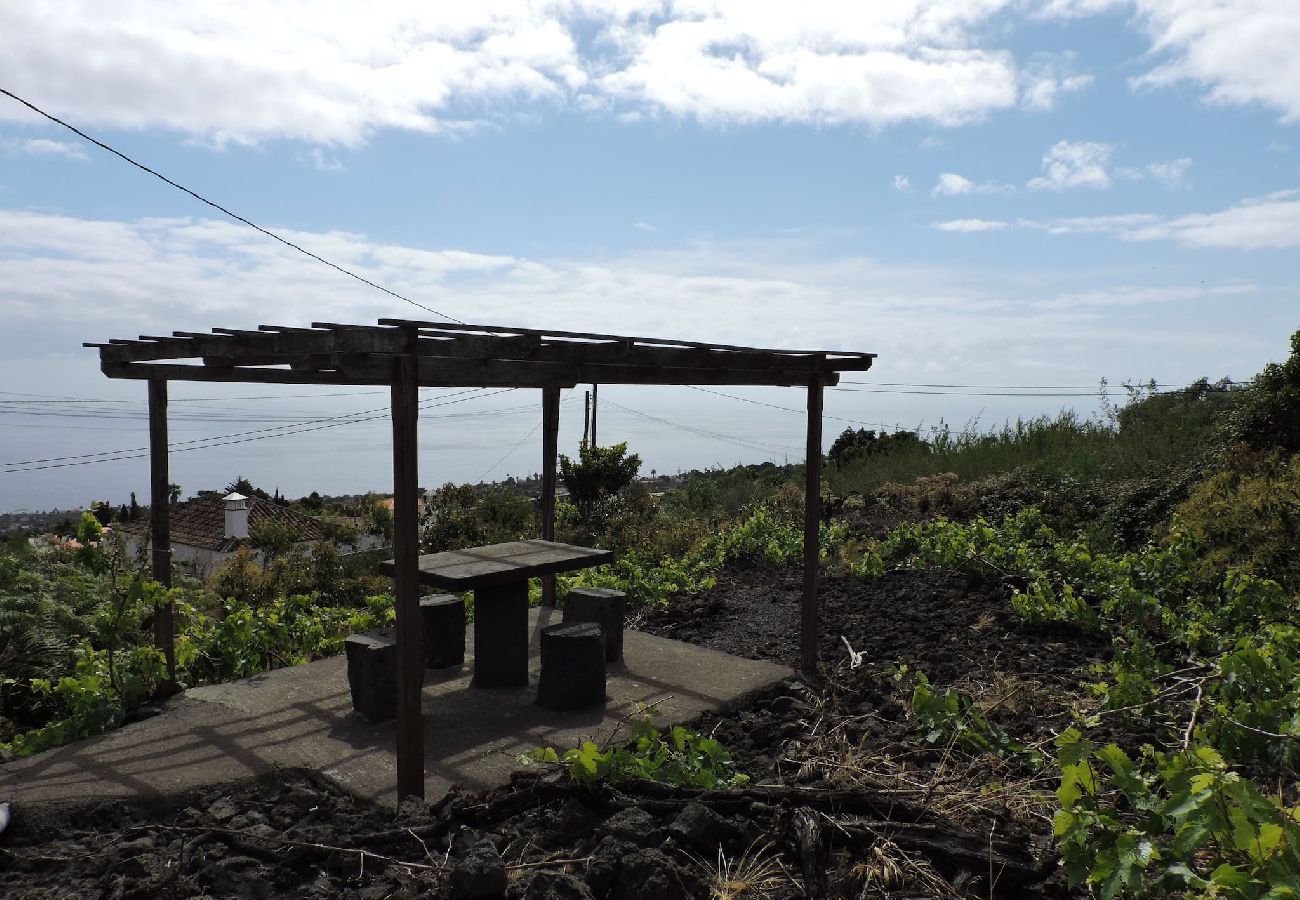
(407, 355)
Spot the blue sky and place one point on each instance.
(984, 192)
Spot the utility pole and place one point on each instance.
(586, 416)
(595, 403)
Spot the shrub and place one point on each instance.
(1246, 515)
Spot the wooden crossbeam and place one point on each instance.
(581, 335)
(458, 373)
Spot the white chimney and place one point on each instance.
(236, 516)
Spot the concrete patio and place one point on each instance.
(302, 716)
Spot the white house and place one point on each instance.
(208, 530)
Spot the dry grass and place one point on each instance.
(889, 868)
(843, 751)
(756, 873)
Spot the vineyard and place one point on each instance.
(1058, 659)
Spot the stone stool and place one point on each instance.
(372, 674)
(573, 666)
(605, 607)
(443, 619)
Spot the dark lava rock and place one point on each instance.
(550, 886)
(700, 827)
(576, 819)
(635, 826)
(481, 872)
(650, 875)
(606, 862)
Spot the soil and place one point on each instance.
(847, 796)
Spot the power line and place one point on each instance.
(218, 441)
(783, 408)
(56, 399)
(364, 415)
(704, 432)
(510, 452)
(217, 206)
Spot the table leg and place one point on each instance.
(501, 635)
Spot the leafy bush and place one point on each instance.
(1169, 824)
(681, 757)
(1268, 416)
(1246, 516)
(951, 719)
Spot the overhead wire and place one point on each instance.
(368, 415)
(217, 206)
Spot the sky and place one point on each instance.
(994, 195)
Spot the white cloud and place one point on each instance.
(951, 184)
(1271, 222)
(333, 73)
(1171, 175)
(644, 226)
(930, 142)
(1048, 76)
(1071, 164)
(972, 225)
(1242, 52)
(44, 147)
(321, 161)
(902, 183)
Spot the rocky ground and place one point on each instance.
(846, 797)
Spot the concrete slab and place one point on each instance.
(302, 717)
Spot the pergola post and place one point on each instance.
(811, 531)
(160, 521)
(406, 559)
(550, 450)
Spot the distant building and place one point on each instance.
(208, 530)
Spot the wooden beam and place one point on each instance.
(501, 331)
(808, 627)
(459, 373)
(160, 521)
(550, 451)
(406, 555)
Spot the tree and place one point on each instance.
(1268, 416)
(596, 479)
(242, 485)
(855, 443)
(173, 494)
(274, 538)
(133, 511)
(380, 521)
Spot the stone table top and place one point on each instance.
(496, 564)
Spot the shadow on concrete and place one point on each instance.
(302, 717)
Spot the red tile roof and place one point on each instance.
(201, 523)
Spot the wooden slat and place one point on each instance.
(664, 342)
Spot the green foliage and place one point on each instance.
(859, 443)
(273, 537)
(1268, 416)
(595, 480)
(1169, 824)
(1246, 516)
(461, 516)
(761, 538)
(680, 756)
(77, 659)
(950, 719)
